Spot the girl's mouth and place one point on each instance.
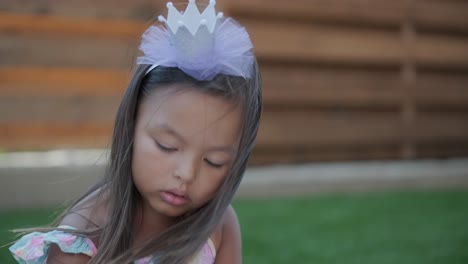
(174, 197)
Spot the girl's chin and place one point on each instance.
(168, 210)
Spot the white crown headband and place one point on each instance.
(200, 44)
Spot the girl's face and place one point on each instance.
(184, 146)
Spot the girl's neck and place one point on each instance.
(150, 223)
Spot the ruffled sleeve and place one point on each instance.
(33, 248)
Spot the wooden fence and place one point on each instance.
(343, 79)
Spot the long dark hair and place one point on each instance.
(182, 240)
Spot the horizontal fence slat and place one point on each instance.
(354, 11)
(442, 150)
(88, 9)
(302, 128)
(26, 136)
(443, 15)
(68, 26)
(53, 109)
(40, 81)
(440, 90)
(66, 52)
(439, 50)
(319, 87)
(314, 43)
(266, 155)
(434, 127)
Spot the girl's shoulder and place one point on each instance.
(34, 247)
(227, 238)
(91, 212)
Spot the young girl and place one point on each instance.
(183, 134)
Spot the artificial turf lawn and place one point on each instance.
(410, 227)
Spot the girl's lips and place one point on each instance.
(173, 199)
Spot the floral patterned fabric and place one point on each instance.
(33, 248)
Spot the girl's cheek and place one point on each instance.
(214, 180)
(161, 163)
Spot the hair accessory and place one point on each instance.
(200, 44)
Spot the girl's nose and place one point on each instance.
(187, 170)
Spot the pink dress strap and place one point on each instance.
(206, 255)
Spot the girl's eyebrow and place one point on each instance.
(171, 131)
(226, 149)
(167, 129)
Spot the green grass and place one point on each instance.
(410, 227)
(18, 219)
(357, 228)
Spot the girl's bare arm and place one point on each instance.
(230, 248)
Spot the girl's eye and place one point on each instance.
(165, 148)
(214, 165)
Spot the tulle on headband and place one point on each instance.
(207, 46)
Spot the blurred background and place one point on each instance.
(362, 155)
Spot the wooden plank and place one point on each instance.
(288, 85)
(306, 43)
(376, 12)
(442, 150)
(114, 9)
(142, 10)
(61, 51)
(442, 15)
(267, 155)
(437, 127)
(27, 136)
(61, 25)
(301, 128)
(441, 50)
(328, 44)
(443, 90)
(53, 109)
(37, 81)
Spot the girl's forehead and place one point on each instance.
(191, 112)
(186, 98)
